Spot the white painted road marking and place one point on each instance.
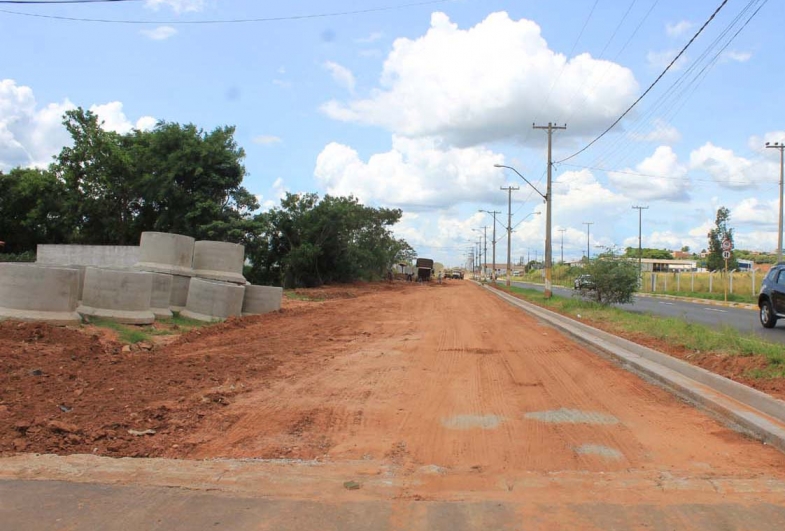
(715, 310)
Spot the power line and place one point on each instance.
(678, 56)
(228, 21)
(672, 100)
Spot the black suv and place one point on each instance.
(771, 299)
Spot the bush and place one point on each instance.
(28, 256)
(614, 281)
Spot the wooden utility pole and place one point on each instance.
(548, 200)
(509, 229)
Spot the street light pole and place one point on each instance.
(509, 230)
(562, 244)
(588, 232)
(640, 249)
(493, 240)
(781, 147)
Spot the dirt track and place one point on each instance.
(444, 385)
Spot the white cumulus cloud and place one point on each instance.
(481, 84)
(733, 55)
(663, 133)
(726, 168)
(415, 173)
(677, 29)
(31, 134)
(659, 177)
(178, 6)
(160, 33)
(114, 119)
(341, 75)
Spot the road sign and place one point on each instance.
(726, 245)
(726, 255)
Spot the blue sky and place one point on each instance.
(411, 107)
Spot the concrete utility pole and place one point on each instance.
(493, 240)
(509, 229)
(562, 244)
(640, 249)
(485, 245)
(781, 147)
(548, 200)
(588, 231)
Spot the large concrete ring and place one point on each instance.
(163, 252)
(161, 294)
(33, 292)
(209, 300)
(179, 297)
(261, 299)
(219, 261)
(118, 294)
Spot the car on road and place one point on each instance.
(771, 299)
(583, 282)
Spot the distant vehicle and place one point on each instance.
(424, 269)
(583, 282)
(457, 275)
(771, 299)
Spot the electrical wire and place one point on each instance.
(230, 21)
(653, 84)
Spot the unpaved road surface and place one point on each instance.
(448, 407)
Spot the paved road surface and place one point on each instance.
(739, 318)
(452, 410)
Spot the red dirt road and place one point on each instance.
(433, 393)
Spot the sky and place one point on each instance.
(410, 104)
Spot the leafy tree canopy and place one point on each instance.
(656, 254)
(720, 232)
(612, 281)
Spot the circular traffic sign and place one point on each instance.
(726, 254)
(726, 245)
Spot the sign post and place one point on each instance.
(726, 248)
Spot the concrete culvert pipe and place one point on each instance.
(162, 252)
(118, 294)
(161, 294)
(261, 299)
(219, 261)
(210, 300)
(33, 292)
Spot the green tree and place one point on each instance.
(613, 281)
(655, 254)
(720, 232)
(32, 209)
(309, 242)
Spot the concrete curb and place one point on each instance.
(738, 406)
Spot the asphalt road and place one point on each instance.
(706, 314)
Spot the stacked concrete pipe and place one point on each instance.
(172, 254)
(32, 292)
(212, 300)
(219, 261)
(118, 294)
(261, 299)
(161, 295)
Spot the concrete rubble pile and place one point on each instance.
(136, 285)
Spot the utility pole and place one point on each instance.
(485, 242)
(588, 232)
(548, 200)
(493, 240)
(509, 189)
(640, 249)
(781, 147)
(562, 244)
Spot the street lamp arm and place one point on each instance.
(522, 177)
